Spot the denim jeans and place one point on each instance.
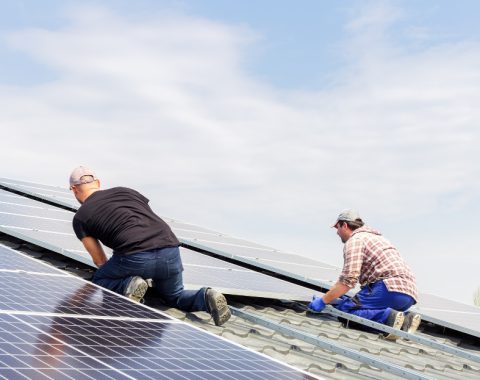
(163, 266)
(375, 302)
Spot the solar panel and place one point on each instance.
(55, 346)
(59, 195)
(51, 228)
(11, 260)
(455, 315)
(54, 325)
(306, 271)
(65, 294)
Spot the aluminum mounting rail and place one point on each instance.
(328, 344)
(403, 334)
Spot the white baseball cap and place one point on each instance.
(76, 178)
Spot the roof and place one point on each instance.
(427, 361)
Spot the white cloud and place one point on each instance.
(164, 104)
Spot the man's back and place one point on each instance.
(379, 260)
(122, 220)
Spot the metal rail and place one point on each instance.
(327, 344)
(403, 334)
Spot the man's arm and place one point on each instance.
(319, 303)
(95, 250)
(338, 290)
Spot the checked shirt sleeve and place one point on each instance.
(352, 262)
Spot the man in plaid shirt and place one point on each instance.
(387, 284)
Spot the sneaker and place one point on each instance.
(217, 306)
(411, 322)
(136, 289)
(395, 320)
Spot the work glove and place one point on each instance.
(317, 304)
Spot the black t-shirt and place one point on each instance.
(123, 221)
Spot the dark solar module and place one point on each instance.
(135, 349)
(27, 352)
(67, 294)
(12, 260)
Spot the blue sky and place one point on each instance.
(261, 119)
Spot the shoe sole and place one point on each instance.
(139, 292)
(221, 312)
(396, 325)
(414, 324)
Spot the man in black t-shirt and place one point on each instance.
(144, 247)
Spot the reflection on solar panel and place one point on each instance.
(55, 346)
(309, 273)
(59, 326)
(63, 293)
(51, 228)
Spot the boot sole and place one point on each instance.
(221, 312)
(139, 292)
(414, 325)
(396, 325)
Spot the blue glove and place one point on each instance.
(317, 304)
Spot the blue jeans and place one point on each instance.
(375, 302)
(164, 266)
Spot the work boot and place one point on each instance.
(411, 322)
(217, 306)
(136, 289)
(395, 319)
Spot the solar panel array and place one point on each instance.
(55, 325)
(447, 313)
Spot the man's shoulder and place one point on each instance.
(365, 231)
(360, 236)
(121, 192)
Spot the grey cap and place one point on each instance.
(80, 172)
(347, 216)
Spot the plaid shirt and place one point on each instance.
(368, 257)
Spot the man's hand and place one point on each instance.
(317, 304)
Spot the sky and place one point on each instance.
(262, 120)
